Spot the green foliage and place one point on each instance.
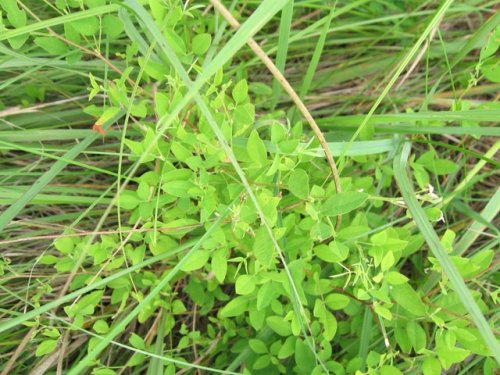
(197, 226)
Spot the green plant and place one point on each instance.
(167, 209)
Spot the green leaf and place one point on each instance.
(407, 298)
(178, 189)
(240, 91)
(330, 326)
(16, 16)
(52, 45)
(387, 261)
(64, 244)
(383, 312)
(129, 200)
(304, 358)
(343, 203)
(112, 26)
(279, 325)
(256, 149)
(266, 294)
(235, 307)
(333, 253)
(45, 347)
(100, 326)
(263, 248)
(416, 335)
(87, 26)
(336, 301)
(257, 346)
(395, 278)
(431, 366)
(197, 260)
(263, 362)
(201, 43)
(219, 265)
(491, 72)
(137, 341)
(244, 284)
(298, 184)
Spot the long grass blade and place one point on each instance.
(284, 34)
(28, 29)
(425, 227)
(403, 64)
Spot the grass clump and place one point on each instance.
(167, 209)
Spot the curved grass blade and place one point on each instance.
(432, 239)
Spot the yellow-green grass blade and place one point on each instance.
(432, 239)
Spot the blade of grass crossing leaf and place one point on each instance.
(173, 59)
(488, 214)
(283, 42)
(313, 64)
(256, 21)
(218, 37)
(158, 37)
(404, 63)
(432, 239)
(48, 176)
(122, 325)
(7, 324)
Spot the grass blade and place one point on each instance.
(313, 65)
(120, 327)
(456, 280)
(48, 176)
(404, 63)
(29, 29)
(283, 42)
